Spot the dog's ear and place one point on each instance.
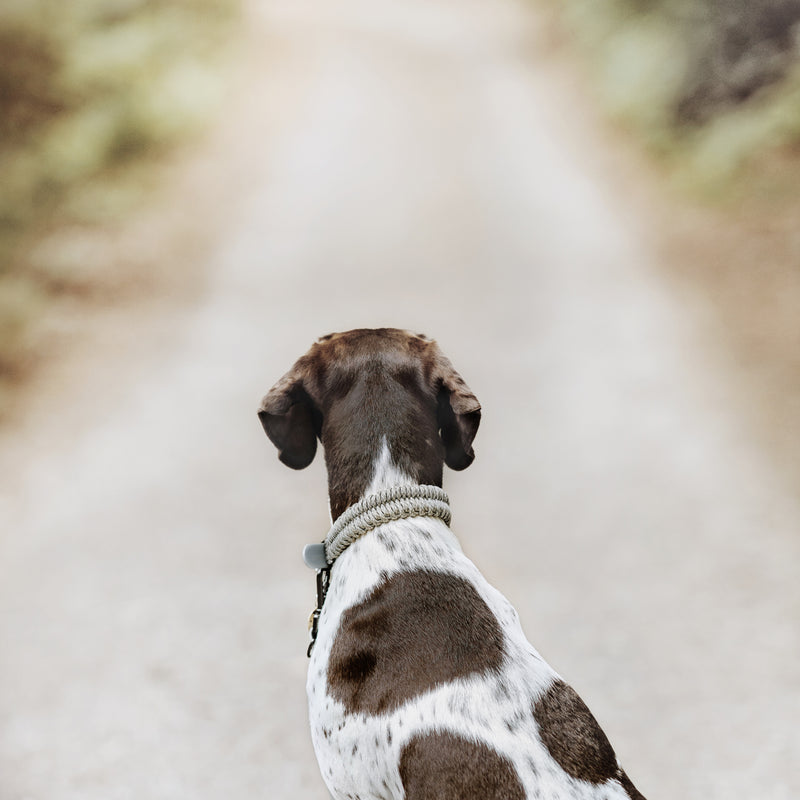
(459, 414)
(290, 418)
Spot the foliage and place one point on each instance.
(89, 91)
(708, 84)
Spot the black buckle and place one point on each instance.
(323, 581)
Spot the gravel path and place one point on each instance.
(407, 164)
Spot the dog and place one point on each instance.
(421, 683)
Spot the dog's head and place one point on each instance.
(356, 390)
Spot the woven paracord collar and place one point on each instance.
(400, 502)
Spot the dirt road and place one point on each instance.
(410, 164)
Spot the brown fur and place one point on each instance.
(353, 389)
(575, 739)
(445, 766)
(416, 630)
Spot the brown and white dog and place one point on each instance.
(421, 683)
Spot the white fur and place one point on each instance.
(361, 753)
(385, 474)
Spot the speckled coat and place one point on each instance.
(421, 683)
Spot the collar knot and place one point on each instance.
(399, 502)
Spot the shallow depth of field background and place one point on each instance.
(593, 206)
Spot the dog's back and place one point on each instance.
(421, 682)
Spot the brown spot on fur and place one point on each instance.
(415, 631)
(575, 740)
(444, 766)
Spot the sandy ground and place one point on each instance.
(419, 165)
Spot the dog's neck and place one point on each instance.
(350, 480)
(385, 473)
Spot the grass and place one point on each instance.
(92, 94)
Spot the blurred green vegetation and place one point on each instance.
(711, 86)
(91, 91)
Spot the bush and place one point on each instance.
(707, 84)
(89, 90)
